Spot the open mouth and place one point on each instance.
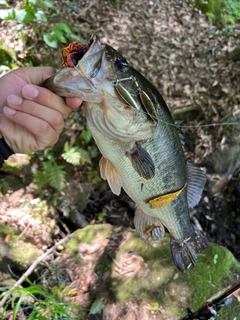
(73, 53)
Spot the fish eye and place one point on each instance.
(121, 64)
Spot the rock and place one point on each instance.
(137, 279)
(16, 255)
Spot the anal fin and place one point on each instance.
(141, 161)
(109, 172)
(147, 226)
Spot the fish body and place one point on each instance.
(141, 145)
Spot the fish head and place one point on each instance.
(107, 84)
(96, 70)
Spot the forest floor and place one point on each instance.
(195, 66)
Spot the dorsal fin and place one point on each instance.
(196, 181)
(180, 133)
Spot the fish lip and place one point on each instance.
(96, 45)
(70, 82)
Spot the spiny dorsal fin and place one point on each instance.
(180, 133)
(108, 172)
(196, 181)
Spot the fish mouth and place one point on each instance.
(82, 78)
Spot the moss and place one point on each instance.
(7, 56)
(23, 254)
(5, 230)
(207, 278)
(87, 235)
(157, 280)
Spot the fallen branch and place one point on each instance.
(32, 267)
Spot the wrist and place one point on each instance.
(5, 150)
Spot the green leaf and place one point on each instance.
(36, 30)
(135, 34)
(50, 39)
(34, 2)
(63, 27)
(59, 35)
(40, 16)
(86, 134)
(96, 306)
(48, 4)
(20, 15)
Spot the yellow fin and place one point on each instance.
(109, 172)
(165, 199)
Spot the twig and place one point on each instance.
(33, 266)
(24, 231)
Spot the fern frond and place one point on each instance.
(40, 179)
(75, 155)
(56, 177)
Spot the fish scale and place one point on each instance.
(141, 146)
(168, 214)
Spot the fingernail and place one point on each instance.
(30, 92)
(9, 111)
(14, 100)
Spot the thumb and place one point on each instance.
(36, 75)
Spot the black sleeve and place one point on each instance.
(5, 151)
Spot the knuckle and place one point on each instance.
(58, 120)
(45, 128)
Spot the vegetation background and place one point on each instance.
(190, 50)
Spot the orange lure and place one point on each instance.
(73, 53)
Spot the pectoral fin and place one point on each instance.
(196, 182)
(108, 172)
(165, 198)
(147, 226)
(141, 162)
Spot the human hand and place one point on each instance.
(31, 117)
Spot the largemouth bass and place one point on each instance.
(141, 145)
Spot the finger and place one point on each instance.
(35, 75)
(73, 102)
(16, 137)
(13, 82)
(53, 117)
(41, 132)
(46, 98)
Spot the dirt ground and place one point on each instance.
(191, 62)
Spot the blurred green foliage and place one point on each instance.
(220, 12)
(38, 12)
(37, 302)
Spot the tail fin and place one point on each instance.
(184, 253)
